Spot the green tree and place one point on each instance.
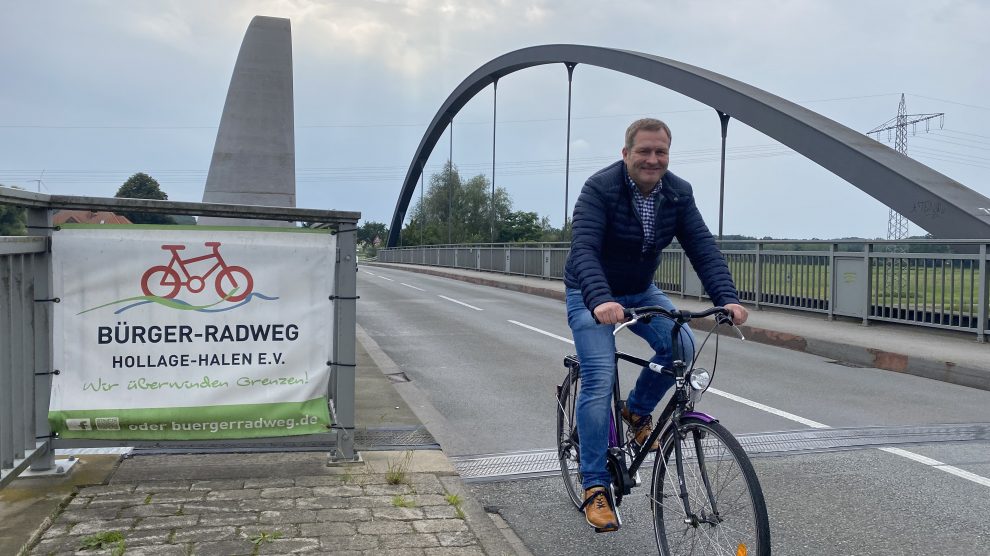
(370, 236)
(456, 211)
(524, 226)
(12, 220)
(143, 186)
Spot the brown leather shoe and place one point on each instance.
(598, 510)
(639, 428)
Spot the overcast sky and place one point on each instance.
(94, 91)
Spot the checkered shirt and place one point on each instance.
(646, 206)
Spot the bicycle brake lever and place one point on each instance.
(628, 323)
(726, 320)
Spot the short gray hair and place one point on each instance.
(645, 124)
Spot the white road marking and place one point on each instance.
(939, 465)
(544, 332)
(461, 303)
(768, 409)
(384, 278)
(411, 286)
(961, 473)
(370, 273)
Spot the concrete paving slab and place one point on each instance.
(27, 504)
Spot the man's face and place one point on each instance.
(647, 160)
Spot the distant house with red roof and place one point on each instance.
(88, 217)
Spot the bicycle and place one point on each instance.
(233, 283)
(704, 496)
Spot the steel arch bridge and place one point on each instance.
(933, 201)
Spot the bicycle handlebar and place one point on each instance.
(723, 316)
(681, 316)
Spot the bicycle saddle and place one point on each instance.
(173, 247)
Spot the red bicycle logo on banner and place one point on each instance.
(233, 283)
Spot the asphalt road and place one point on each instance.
(488, 360)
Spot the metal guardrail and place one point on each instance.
(930, 283)
(24, 441)
(26, 335)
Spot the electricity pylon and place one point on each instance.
(897, 225)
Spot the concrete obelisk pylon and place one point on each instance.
(254, 157)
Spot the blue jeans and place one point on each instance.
(596, 352)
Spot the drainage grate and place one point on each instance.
(544, 463)
(395, 438)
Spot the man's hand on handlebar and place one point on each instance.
(609, 312)
(739, 313)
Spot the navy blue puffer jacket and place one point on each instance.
(606, 257)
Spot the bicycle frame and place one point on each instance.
(181, 263)
(669, 417)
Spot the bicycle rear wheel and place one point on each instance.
(716, 472)
(568, 448)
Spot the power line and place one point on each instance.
(406, 124)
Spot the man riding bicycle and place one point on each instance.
(624, 217)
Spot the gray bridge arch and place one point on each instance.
(937, 203)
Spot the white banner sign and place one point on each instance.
(191, 334)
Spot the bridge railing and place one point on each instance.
(26, 317)
(930, 283)
(23, 321)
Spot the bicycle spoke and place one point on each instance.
(731, 486)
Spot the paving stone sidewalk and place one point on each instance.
(348, 510)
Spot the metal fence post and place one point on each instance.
(831, 281)
(758, 278)
(344, 356)
(39, 223)
(867, 249)
(982, 309)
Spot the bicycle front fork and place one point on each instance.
(692, 519)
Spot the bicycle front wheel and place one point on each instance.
(724, 512)
(568, 448)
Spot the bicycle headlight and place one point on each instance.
(699, 381)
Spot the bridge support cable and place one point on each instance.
(422, 206)
(937, 203)
(450, 181)
(724, 119)
(494, 125)
(567, 157)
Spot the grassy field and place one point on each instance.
(909, 284)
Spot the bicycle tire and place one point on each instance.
(166, 287)
(243, 287)
(741, 525)
(568, 448)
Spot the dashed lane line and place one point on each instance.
(544, 332)
(460, 303)
(412, 286)
(768, 409)
(384, 278)
(952, 470)
(961, 473)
